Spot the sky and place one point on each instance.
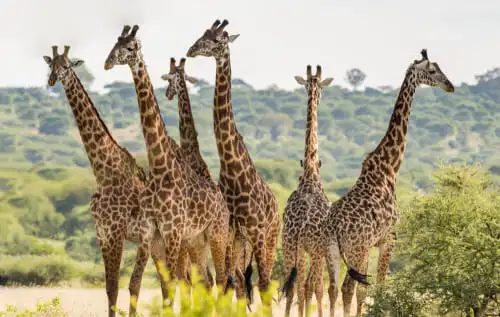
(278, 38)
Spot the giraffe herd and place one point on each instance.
(177, 212)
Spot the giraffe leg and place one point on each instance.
(361, 291)
(183, 264)
(198, 254)
(386, 248)
(289, 259)
(319, 289)
(333, 265)
(360, 261)
(237, 265)
(259, 251)
(142, 257)
(172, 240)
(218, 234)
(272, 241)
(301, 280)
(158, 255)
(315, 281)
(112, 255)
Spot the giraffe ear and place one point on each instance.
(232, 38)
(192, 80)
(76, 63)
(326, 82)
(166, 77)
(47, 59)
(300, 80)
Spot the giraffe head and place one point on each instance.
(176, 78)
(214, 42)
(429, 73)
(126, 50)
(60, 65)
(313, 83)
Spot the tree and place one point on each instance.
(489, 75)
(451, 240)
(355, 77)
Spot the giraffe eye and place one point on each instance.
(130, 49)
(432, 71)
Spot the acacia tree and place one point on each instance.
(452, 239)
(355, 77)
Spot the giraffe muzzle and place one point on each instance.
(52, 79)
(108, 65)
(449, 87)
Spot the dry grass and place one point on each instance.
(93, 302)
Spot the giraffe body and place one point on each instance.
(119, 180)
(252, 204)
(306, 209)
(366, 215)
(183, 205)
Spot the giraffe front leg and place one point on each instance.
(142, 257)
(259, 251)
(158, 255)
(112, 251)
(172, 240)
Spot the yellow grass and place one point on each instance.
(93, 302)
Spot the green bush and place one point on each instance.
(36, 270)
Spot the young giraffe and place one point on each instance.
(182, 204)
(306, 207)
(115, 205)
(250, 201)
(366, 215)
(188, 137)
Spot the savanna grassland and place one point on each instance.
(47, 235)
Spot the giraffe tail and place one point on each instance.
(248, 280)
(355, 275)
(288, 286)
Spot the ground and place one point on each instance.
(93, 302)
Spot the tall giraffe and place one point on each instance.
(250, 201)
(182, 204)
(306, 208)
(190, 147)
(366, 215)
(115, 205)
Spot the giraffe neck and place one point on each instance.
(188, 134)
(159, 146)
(390, 151)
(230, 144)
(311, 162)
(105, 155)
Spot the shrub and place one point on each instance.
(36, 270)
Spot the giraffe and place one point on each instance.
(249, 198)
(180, 203)
(115, 204)
(366, 215)
(188, 135)
(306, 207)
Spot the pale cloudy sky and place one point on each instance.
(278, 38)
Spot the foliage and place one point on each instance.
(50, 308)
(36, 270)
(451, 240)
(396, 298)
(355, 77)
